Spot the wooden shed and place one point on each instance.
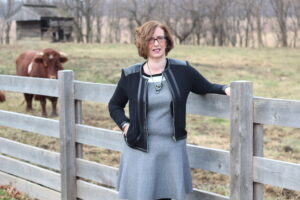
(42, 21)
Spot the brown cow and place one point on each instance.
(43, 64)
(2, 97)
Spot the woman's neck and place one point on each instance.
(156, 65)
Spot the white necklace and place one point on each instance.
(158, 85)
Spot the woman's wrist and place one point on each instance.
(124, 125)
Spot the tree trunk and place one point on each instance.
(88, 27)
(78, 31)
(281, 8)
(117, 30)
(247, 31)
(198, 38)
(214, 35)
(78, 21)
(7, 30)
(9, 9)
(221, 37)
(99, 28)
(259, 28)
(258, 9)
(283, 31)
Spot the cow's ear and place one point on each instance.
(38, 59)
(63, 59)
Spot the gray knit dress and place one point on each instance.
(163, 171)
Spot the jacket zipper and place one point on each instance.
(173, 107)
(139, 98)
(145, 111)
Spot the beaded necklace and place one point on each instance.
(158, 85)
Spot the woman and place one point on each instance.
(154, 163)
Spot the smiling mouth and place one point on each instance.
(156, 50)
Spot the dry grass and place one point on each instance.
(273, 72)
(9, 193)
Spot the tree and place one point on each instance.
(217, 16)
(258, 7)
(99, 12)
(248, 6)
(114, 21)
(281, 8)
(75, 9)
(179, 20)
(295, 4)
(197, 13)
(140, 11)
(9, 10)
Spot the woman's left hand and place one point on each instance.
(227, 91)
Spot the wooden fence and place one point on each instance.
(49, 175)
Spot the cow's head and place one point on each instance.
(50, 61)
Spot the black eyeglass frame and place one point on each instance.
(159, 39)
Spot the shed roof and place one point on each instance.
(32, 12)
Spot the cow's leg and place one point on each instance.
(54, 103)
(2, 97)
(28, 98)
(43, 105)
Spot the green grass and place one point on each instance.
(9, 193)
(4, 195)
(274, 73)
(267, 68)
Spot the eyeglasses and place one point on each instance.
(159, 39)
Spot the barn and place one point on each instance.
(46, 22)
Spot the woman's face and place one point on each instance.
(157, 44)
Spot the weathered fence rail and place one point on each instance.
(50, 175)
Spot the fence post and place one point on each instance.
(67, 135)
(241, 141)
(258, 145)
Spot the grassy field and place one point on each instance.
(9, 193)
(274, 73)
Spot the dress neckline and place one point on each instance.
(148, 75)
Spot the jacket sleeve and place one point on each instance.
(118, 102)
(200, 85)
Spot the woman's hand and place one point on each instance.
(227, 91)
(125, 129)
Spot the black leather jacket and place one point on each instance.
(132, 87)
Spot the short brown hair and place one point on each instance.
(145, 32)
